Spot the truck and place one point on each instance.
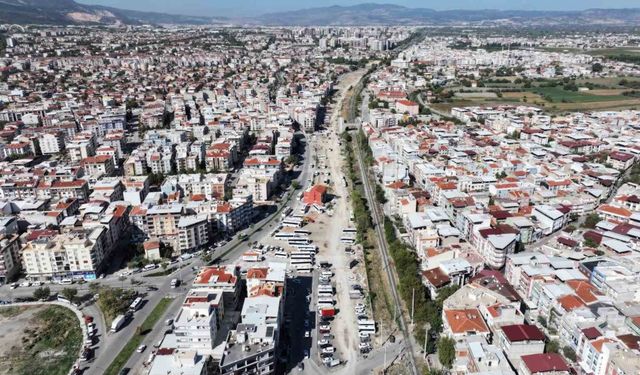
(117, 323)
(327, 313)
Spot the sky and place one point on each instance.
(239, 8)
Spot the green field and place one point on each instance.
(145, 328)
(558, 94)
(50, 344)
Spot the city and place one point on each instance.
(241, 198)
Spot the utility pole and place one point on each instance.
(413, 303)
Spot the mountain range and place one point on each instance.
(388, 14)
(62, 12)
(68, 12)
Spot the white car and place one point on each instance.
(329, 350)
(307, 333)
(36, 283)
(141, 348)
(25, 284)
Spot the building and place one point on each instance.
(77, 255)
(517, 340)
(196, 324)
(251, 347)
(9, 257)
(543, 364)
(193, 232)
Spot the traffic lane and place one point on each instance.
(136, 361)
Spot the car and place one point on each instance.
(169, 322)
(306, 323)
(329, 349)
(307, 333)
(25, 284)
(300, 366)
(141, 348)
(13, 285)
(360, 305)
(36, 283)
(306, 353)
(124, 371)
(323, 342)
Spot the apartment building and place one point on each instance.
(193, 232)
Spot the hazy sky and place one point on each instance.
(255, 7)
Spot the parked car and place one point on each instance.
(141, 348)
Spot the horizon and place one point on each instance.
(251, 8)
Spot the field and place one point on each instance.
(558, 94)
(38, 340)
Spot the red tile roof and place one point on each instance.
(522, 332)
(547, 362)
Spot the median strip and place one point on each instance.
(147, 326)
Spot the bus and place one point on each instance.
(135, 305)
(286, 236)
(349, 231)
(298, 241)
(302, 232)
(301, 254)
(326, 300)
(347, 240)
(367, 326)
(281, 254)
(304, 269)
(292, 222)
(322, 294)
(297, 263)
(303, 266)
(307, 248)
(286, 212)
(329, 289)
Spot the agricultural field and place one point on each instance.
(38, 340)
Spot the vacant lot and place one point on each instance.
(38, 340)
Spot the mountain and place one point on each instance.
(387, 14)
(64, 12)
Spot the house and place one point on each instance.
(543, 364)
(459, 323)
(517, 340)
(152, 250)
(315, 195)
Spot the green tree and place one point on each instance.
(69, 293)
(552, 347)
(446, 351)
(588, 242)
(596, 67)
(42, 293)
(569, 353)
(295, 184)
(542, 320)
(591, 220)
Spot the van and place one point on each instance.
(150, 267)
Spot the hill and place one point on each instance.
(387, 14)
(64, 12)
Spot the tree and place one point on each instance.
(42, 293)
(446, 351)
(588, 242)
(69, 293)
(569, 353)
(596, 67)
(542, 320)
(295, 184)
(552, 347)
(591, 220)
